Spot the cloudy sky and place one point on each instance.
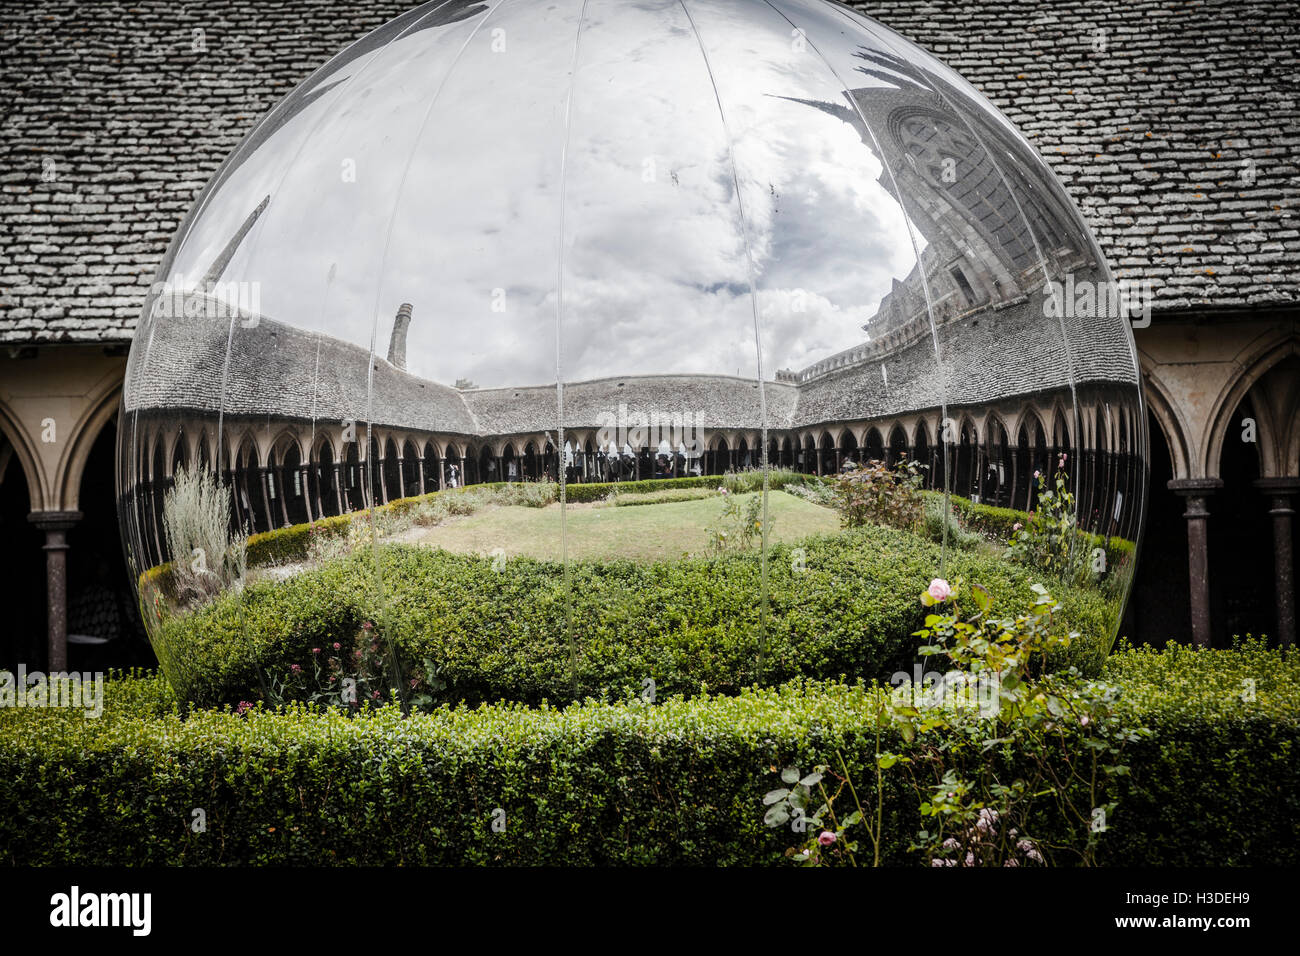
(441, 171)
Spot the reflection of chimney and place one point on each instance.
(213, 275)
(397, 345)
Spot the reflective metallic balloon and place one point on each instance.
(602, 241)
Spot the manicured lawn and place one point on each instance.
(653, 532)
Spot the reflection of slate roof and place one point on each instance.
(286, 373)
(1149, 135)
(989, 355)
(712, 401)
(283, 372)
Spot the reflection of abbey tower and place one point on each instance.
(989, 233)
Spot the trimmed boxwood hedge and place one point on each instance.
(501, 634)
(1000, 523)
(679, 782)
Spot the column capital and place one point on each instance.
(54, 520)
(1287, 485)
(1194, 487)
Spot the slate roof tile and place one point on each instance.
(1182, 116)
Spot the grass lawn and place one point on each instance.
(652, 532)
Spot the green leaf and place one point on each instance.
(772, 796)
(777, 815)
(790, 775)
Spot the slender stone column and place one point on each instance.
(1197, 492)
(1280, 491)
(265, 477)
(339, 472)
(305, 485)
(56, 524)
(282, 488)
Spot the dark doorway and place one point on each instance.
(1242, 593)
(1158, 610)
(22, 562)
(101, 598)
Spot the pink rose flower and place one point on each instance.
(295, 668)
(826, 838)
(939, 589)
(1037, 474)
(1017, 526)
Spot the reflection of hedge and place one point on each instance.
(501, 633)
(1000, 523)
(680, 782)
(284, 545)
(287, 545)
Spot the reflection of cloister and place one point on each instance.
(307, 471)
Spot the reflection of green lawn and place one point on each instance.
(641, 533)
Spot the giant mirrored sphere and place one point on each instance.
(611, 348)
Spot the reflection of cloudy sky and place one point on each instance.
(655, 272)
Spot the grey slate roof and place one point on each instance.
(1178, 140)
(278, 370)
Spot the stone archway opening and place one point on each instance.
(103, 622)
(1158, 611)
(23, 639)
(1241, 536)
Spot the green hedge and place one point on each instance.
(679, 782)
(499, 632)
(1000, 523)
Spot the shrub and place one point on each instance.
(680, 782)
(196, 523)
(878, 494)
(987, 520)
(939, 520)
(837, 605)
(817, 492)
(667, 496)
(740, 525)
(1010, 764)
